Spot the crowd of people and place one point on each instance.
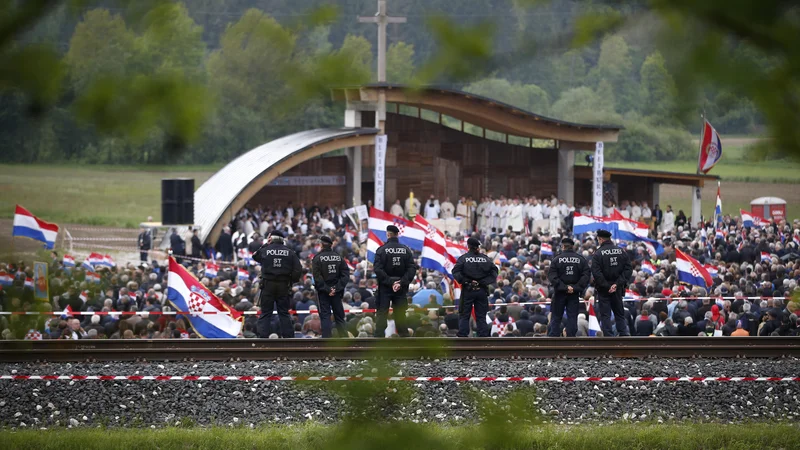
(757, 274)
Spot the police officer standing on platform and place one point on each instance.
(331, 275)
(475, 271)
(395, 268)
(569, 275)
(612, 270)
(280, 268)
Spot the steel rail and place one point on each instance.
(271, 349)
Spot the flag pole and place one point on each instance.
(702, 136)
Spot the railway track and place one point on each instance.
(271, 349)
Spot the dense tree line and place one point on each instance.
(257, 70)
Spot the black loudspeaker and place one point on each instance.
(177, 201)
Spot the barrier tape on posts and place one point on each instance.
(412, 379)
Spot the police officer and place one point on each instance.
(331, 275)
(475, 271)
(280, 268)
(569, 275)
(395, 268)
(612, 271)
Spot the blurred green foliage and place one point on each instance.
(159, 81)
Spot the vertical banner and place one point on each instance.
(597, 184)
(380, 169)
(41, 282)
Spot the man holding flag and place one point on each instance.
(475, 272)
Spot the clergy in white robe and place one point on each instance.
(516, 219)
(447, 209)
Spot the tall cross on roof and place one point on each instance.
(382, 19)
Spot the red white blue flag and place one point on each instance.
(710, 148)
(29, 226)
(690, 271)
(209, 316)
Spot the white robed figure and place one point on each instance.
(555, 219)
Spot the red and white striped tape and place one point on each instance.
(413, 379)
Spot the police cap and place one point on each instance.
(473, 243)
(393, 229)
(567, 241)
(604, 234)
(276, 233)
(326, 240)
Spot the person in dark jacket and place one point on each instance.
(197, 246)
(644, 326)
(476, 272)
(395, 268)
(177, 244)
(687, 328)
(331, 276)
(612, 271)
(145, 243)
(524, 324)
(280, 268)
(569, 275)
(225, 245)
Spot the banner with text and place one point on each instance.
(380, 169)
(597, 184)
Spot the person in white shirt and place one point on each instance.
(515, 220)
(289, 211)
(432, 209)
(563, 208)
(646, 212)
(397, 209)
(463, 213)
(479, 211)
(497, 223)
(488, 216)
(536, 210)
(636, 211)
(668, 224)
(447, 209)
(545, 209)
(555, 219)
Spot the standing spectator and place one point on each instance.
(225, 244)
(145, 242)
(197, 246)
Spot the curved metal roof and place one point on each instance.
(214, 197)
(504, 106)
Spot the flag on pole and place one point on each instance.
(67, 312)
(208, 315)
(211, 270)
(690, 271)
(410, 234)
(718, 209)
(594, 324)
(765, 257)
(29, 283)
(547, 249)
(243, 274)
(710, 148)
(373, 244)
(68, 261)
(93, 277)
(435, 257)
(6, 279)
(29, 226)
(750, 220)
(648, 267)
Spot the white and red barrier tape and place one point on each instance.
(413, 379)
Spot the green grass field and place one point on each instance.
(92, 195)
(402, 436)
(761, 172)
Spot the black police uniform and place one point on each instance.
(393, 262)
(567, 269)
(610, 265)
(330, 271)
(280, 268)
(474, 266)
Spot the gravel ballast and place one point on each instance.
(43, 404)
